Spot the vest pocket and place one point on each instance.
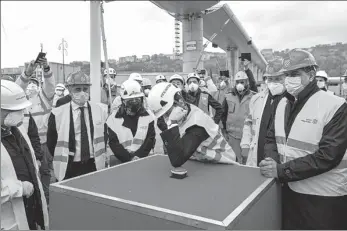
(231, 106)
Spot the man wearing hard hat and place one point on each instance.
(42, 102)
(189, 132)
(306, 149)
(59, 93)
(76, 132)
(113, 86)
(236, 109)
(261, 110)
(322, 81)
(202, 99)
(131, 131)
(23, 203)
(160, 78)
(206, 82)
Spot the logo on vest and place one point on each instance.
(311, 121)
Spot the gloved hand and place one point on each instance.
(161, 124)
(28, 188)
(244, 154)
(31, 68)
(177, 114)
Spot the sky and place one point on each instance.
(141, 28)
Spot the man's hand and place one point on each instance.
(29, 71)
(28, 188)
(43, 62)
(38, 163)
(246, 64)
(135, 158)
(268, 168)
(244, 154)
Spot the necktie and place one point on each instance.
(85, 152)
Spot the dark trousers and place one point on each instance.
(308, 212)
(33, 213)
(45, 170)
(79, 168)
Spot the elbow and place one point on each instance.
(176, 163)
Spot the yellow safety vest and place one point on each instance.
(61, 151)
(237, 112)
(12, 211)
(215, 148)
(40, 115)
(304, 138)
(126, 139)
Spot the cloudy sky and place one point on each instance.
(142, 28)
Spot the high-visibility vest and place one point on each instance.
(40, 113)
(250, 134)
(215, 148)
(237, 112)
(304, 138)
(126, 139)
(61, 151)
(12, 211)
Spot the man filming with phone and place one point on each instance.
(41, 98)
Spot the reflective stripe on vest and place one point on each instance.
(125, 136)
(203, 103)
(61, 151)
(41, 116)
(213, 149)
(304, 138)
(237, 113)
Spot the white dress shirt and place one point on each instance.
(76, 114)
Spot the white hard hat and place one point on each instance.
(146, 82)
(13, 97)
(160, 77)
(136, 77)
(110, 71)
(161, 98)
(60, 86)
(322, 74)
(176, 77)
(130, 89)
(193, 75)
(241, 75)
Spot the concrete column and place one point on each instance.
(95, 51)
(236, 54)
(192, 32)
(230, 63)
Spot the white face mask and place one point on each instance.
(80, 98)
(275, 88)
(177, 114)
(193, 87)
(146, 91)
(222, 85)
(321, 84)
(14, 118)
(240, 87)
(32, 90)
(293, 85)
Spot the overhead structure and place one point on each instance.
(206, 18)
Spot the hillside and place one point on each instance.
(330, 57)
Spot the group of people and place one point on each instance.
(295, 131)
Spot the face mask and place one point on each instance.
(59, 93)
(202, 83)
(146, 91)
(80, 98)
(222, 85)
(275, 88)
(193, 87)
(133, 106)
(240, 87)
(32, 90)
(293, 85)
(321, 84)
(14, 118)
